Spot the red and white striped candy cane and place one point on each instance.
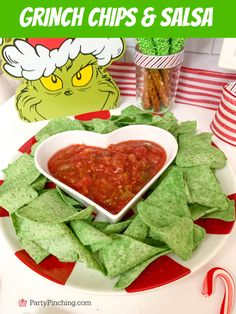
(208, 285)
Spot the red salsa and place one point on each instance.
(110, 177)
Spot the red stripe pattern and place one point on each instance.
(200, 88)
(224, 122)
(26, 148)
(158, 62)
(50, 268)
(160, 272)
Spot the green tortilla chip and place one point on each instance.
(100, 225)
(187, 127)
(131, 110)
(195, 150)
(37, 253)
(226, 215)
(202, 139)
(167, 201)
(204, 188)
(178, 236)
(170, 194)
(84, 214)
(17, 197)
(154, 216)
(58, 125)
(41, 238)
(121, 121)
(49, 208)
(132, 115)
(117, 227)
(69, 200)
(98, 246)
(21, 172)
(143, 118)
(160, 179)
(188, 196)
(198, 235)
(87, 234)
(156, 238)
(137, 229)
(31, 230)
(128, 277)
(167, 122)
(124, 253)
(154, 234)
(39, 183)
(198, 211)
(108, 228)
(156, 243)
(61, 247)
(84, 254)
(100, 126)
(14, 220)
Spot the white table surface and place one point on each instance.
(182, 297)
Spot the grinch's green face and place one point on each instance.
(79, 86)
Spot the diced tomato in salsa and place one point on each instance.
(110, 177)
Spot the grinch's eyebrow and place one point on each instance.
(69, 65)
(83, 65)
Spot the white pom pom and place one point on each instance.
(23, 60)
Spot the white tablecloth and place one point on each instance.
(17, 281)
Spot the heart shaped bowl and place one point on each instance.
(134, 132)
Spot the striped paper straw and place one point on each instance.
(224, 123)
(208, 285)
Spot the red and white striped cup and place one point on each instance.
(224, 123)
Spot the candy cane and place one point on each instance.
(208, 284)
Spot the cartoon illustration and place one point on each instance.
(5, 41)
(62, 77)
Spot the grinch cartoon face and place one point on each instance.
(68, 80)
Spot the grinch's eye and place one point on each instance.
(52, 82)
(83, 77)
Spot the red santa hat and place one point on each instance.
(39, 57)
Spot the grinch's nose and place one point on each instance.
(68, 92)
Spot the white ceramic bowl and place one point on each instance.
(134, 132)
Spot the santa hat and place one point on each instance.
(39, 57)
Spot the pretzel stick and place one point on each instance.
(155, 101)
(166, 79)
(160, 87)
(145, 97)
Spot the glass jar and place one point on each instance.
(157, 80)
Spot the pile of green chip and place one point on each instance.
(47, 221)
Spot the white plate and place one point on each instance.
(134, 132)
(84, 279)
